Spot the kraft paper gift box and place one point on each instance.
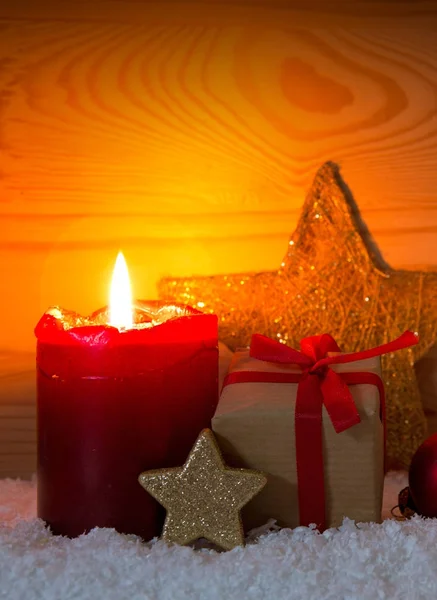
(255, 426)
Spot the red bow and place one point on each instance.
(318, 385)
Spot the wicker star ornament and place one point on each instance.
(334, 280)
(203, 498)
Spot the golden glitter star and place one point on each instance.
(203, 498)
(332, 279)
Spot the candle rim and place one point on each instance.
(51, 327)
(69, 319)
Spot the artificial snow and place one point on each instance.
(391, 560)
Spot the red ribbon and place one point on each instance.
(318, 385)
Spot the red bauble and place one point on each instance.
(423, 478)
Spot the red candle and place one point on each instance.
(115, 400)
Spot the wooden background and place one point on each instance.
(186, 134)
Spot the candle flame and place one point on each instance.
(120, 303)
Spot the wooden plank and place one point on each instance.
(187, 133)
(222, 12)
(17, 430)
(17, 414)
(14, 467)
(16, 411)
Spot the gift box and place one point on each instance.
(314, 422)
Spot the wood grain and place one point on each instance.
(187, 133)
(17, 414)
